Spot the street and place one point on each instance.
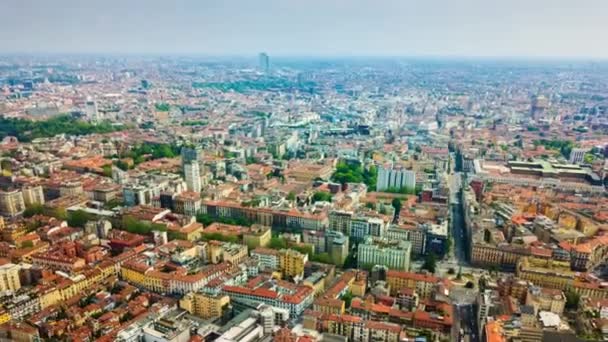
(467, 320)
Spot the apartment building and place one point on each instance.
(204, 305)
(377, 251)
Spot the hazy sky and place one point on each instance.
(556, 28)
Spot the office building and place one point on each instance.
(390, 177)
(340, 221)
(264, 61)
(337, 246)
(91, 111)
(11, 203)
(363, 226)
(538, 106)
(192, 154)
(193, 177)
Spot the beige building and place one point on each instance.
(9, 277)
(234, 253)
(204, 305)
(258, 236)
(545, 299)
(33, 195)
(291, 262)
(11, 203)
(422, 284)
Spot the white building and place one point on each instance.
(577, 155)
(193, 177)
(91, 111)
(268, 258)
(395, 178)
(390, 253)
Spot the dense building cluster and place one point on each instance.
(179, 200)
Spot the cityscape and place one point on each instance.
(262, 197)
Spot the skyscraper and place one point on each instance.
(192, 154)
(264, 62)
(91, 110)
(538, 106)
(193, 176)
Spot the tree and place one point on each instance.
(79, 218)
(60, 214)
(291, 196)
(107, 170)
(430, 262)
(348, 173)
(347, 298)
(449, 245)
(321, 196)
(217, 236)
(277, 243)
(459, 275)
(26, 130)
(572, 299)
(350, 261)
(324, 258)
(34, 209)
(304, 249)
(132, 225)
(397, 205)
(206, 220)
(162, 107)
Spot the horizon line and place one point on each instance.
(307, 56)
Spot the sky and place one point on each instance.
(468, 28)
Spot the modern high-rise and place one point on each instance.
(193, 176)
(390, 253)
(340, 221)
(363, 226)
(192, 154)
(11, 203)
(337, 246)
(264, 62)
(91, 110)
(390, 177)
(538, 106)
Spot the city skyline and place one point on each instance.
(355, 28)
